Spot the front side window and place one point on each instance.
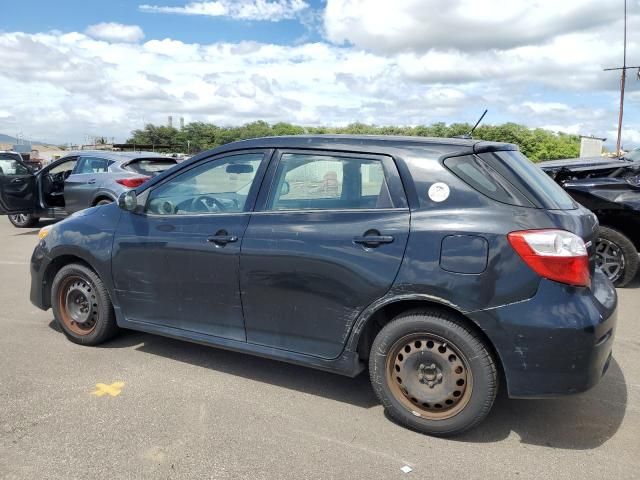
(323, 182)
(64, 166)
(219, 186)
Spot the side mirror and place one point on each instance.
(128, 201)
(285, 189)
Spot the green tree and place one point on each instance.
(537, 144)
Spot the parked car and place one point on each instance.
(436, 262)
(611, 189)
(74, 182)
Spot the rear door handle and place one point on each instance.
(17, 180)
(222, 239)
(373, 240)
(92, 181)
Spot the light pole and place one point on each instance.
(623, 79)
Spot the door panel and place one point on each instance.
(328, 243)
(79, 190)
(304, 279)
(17, 187)
(177, 265)
(166, 272)
(81, 185)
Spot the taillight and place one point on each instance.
(132, 182)
(554, 254)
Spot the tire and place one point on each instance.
(90, 319)
(23, 220)
(442, 355)
(104, 201)
(615, 246)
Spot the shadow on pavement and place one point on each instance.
(355, 391)
(576, 422)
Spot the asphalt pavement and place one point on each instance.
(143, 406)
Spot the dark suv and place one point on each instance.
(442, 264)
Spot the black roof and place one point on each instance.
(363, 143)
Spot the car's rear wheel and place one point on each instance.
(432, 374)
(81, 305)
(616, 256)
(23, 220)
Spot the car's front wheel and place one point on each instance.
(432, 374)
(81, 305)
(616, 256)
(23, 220)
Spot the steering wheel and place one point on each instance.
(210, 204)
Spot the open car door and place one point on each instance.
(17, 186)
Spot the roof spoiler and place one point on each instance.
(484, 147)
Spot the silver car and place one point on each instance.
(76, 181)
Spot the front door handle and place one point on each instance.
(373, 240)
(17, 180)
(92, 181)
(221, 238)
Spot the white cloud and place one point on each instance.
(546, 77)
(115, 32)
(271, 10)
(421, 25)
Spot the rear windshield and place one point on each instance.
(150, 166)
(510, 177)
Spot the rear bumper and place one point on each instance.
(559, 342)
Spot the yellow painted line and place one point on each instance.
(112, 390)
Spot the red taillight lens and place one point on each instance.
(554, 254)
(132, 182)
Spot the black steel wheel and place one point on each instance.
(432, 373)
(616, 256)
(23, 220)
(81, 305)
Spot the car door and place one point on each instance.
(327, 242)
(17, 186)
(177, 264)
(81, 185)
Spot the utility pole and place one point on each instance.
(623, 79)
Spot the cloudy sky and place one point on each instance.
(75, 68)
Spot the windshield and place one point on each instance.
(633, 155)
(150, 166)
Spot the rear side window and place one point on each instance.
(150, 166)
(91, 165)
(326, 182)
(483, 178)
(529, 179)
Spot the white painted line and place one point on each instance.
(7, 262)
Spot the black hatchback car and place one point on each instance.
(439, 263)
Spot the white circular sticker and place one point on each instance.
(439, 192)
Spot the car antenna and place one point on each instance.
(469, 134)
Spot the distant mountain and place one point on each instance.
(9, 139)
